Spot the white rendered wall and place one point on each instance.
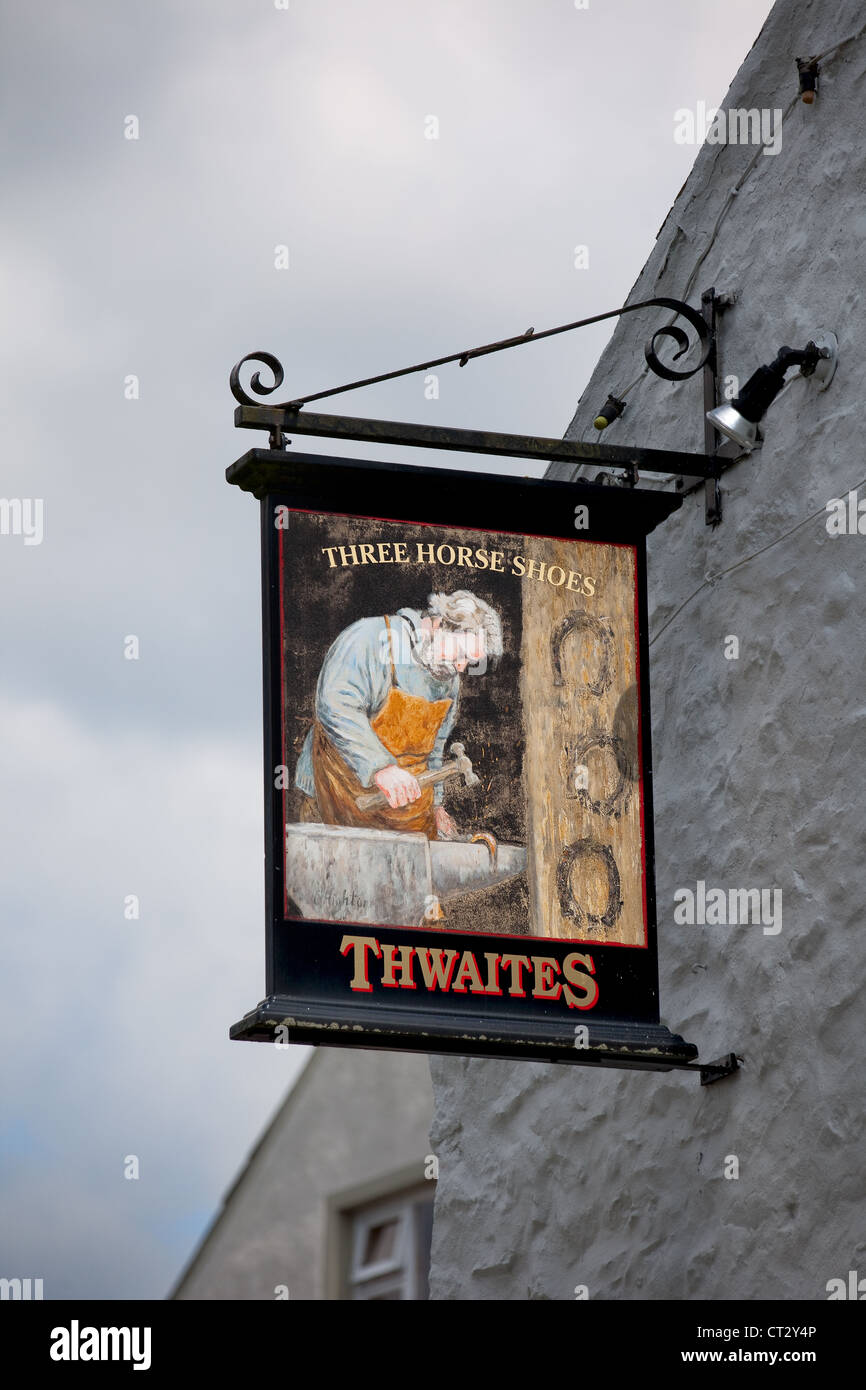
(553, 1177)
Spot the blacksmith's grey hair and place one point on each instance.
(466, 612)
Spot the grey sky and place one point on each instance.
(258, 127)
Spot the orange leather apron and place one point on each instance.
(407, 725)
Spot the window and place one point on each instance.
(389, 1247)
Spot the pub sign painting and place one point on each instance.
(456, 749)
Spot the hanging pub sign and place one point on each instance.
(458, 792)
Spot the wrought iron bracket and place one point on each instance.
(289, 417)
(671, 330)
(722, 453)
(279, 419)
(722, 1067)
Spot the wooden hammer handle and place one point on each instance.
(425, 779)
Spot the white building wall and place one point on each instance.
(552, 1177)
(355, 1120)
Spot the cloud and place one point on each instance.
(119, 1028)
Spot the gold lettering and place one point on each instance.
(545, 968)
(404, 967)
(577, 977)
(468, 970)
(492, 973)
(515, 964)
(360, 945)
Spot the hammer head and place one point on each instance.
(464, 765)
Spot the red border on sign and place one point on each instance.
(484, 530)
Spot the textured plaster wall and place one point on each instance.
(551, 1177)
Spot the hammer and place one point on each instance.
(459, 764)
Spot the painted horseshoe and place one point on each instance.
(615, 804)
(596, 627)
(568, 904)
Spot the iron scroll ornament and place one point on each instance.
(671, 331)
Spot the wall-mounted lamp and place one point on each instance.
(808, 72)
(738, 419)
(610, 411)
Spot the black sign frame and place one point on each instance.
(309, 968)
